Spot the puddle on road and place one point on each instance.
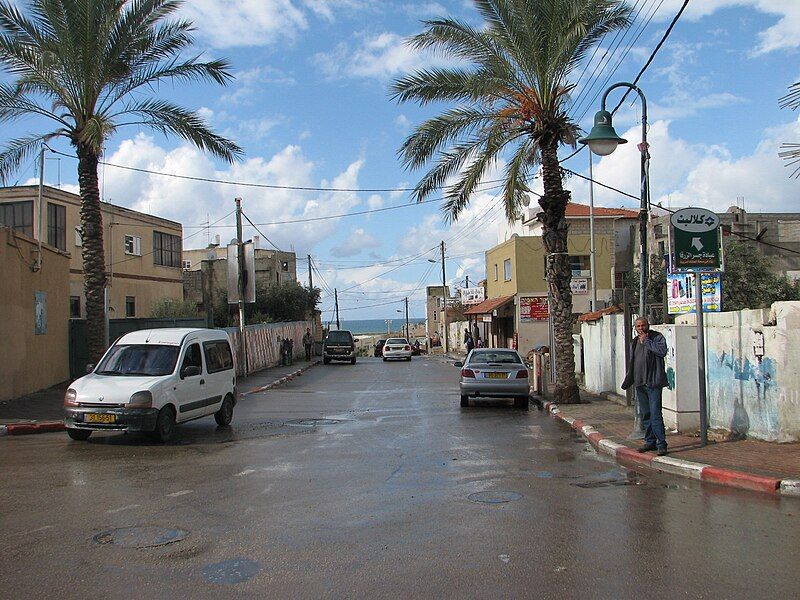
(494, 497)
(231, 572)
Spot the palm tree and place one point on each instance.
(513, 96)
(790, 151)
(87, 66)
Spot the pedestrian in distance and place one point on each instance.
(308, 341)
(470, 343)
(646, 374)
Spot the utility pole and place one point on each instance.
(310, 280)
(336, 304)
(408, 331)
(467, 281)
(444, 303)
(38, 266)
(240, 257)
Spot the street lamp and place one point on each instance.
(444, 302)
(603, 140)
(388, 325)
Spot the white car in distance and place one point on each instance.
(397, 348)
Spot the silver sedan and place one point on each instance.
(494, 373)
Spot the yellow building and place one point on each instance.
(142, 252)
(515, 311)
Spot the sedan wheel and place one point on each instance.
(521, 402)
(464, 401)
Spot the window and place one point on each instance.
(218, 356)
(580, 265)
(57, 225)
(166, 249)
(434, 316)
(495, 272)
(187, 265)
(507, 269)
(192, 358)
(133, 245)
(130, 306)
(18, 216)
(74, 307)
(78, 237)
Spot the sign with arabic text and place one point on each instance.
(533, 308)
(696, 239)
(473, 295)
(579, 285)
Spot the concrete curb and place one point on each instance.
(282, 380)
(676, 466)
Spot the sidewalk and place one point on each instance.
(43, 411)
(749, 464)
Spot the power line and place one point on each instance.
(261, 232)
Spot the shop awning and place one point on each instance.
(487, 306)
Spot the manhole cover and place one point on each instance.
(231, 571)
(314, 422)
(494, 497)
(610, 483)
(140, 537)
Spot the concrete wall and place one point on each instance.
(752, 366)
(31, 361)
(263, 343)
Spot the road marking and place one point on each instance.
(505, 558)
(37, 530)
(180, 493)
(245, 472)
(120, 509)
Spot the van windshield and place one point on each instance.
(339, 337)
(139, 359)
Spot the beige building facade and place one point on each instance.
(142, 252)
(34, 311)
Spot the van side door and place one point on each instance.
(191, 384)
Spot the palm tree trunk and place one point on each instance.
(558, 273)
(94, 263)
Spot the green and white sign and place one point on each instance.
(695, 234)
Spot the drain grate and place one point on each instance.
(494, 497)
(610, 483)
(313, 422)
(140, 537)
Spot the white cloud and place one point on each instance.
(355, 243)
(375, 201)
(248, 85)
(193, 203)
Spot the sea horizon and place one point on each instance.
(374, 326)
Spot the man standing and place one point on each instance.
(645, 372)
(308, 341)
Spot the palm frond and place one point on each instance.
(792, 99)
(791, 154)
(170, 118)
(18, 151)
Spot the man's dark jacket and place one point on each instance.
(656, 375)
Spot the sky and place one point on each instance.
(310, 106)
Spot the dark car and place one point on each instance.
(339, 345)
(415, 348)
(379, 348)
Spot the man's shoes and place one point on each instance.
(646, 448)
(662, 451)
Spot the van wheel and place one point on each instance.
(165, 424)
(464, 401)
(326, 361)
(79, 434)
(224, 415)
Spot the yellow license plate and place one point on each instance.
(497, 375)
(96, 418)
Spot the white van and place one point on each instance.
(150, 380)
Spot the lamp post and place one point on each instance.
(388, 325)
(444, 302)
(603, 140)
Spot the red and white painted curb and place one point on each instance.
(676, 466)
(28, 428)
(281, 381)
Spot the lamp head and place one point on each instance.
(602, 139)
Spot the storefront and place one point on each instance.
(492, 321)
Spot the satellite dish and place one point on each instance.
(514, 235)
(526, 201)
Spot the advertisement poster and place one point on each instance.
(473, 295)
(682, 292)
(579, 285)
(533, 308)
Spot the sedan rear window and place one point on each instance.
(396, 341)
(139, 359)
(495, 356)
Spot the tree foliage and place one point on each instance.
(288, 301)
(167, 308)
(750, 280)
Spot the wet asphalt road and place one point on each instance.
(366, 481)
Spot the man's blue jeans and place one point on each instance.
(650, 407)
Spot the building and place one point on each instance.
(619, 227)
(35, 309)
(779, 232)
(142, 252)
(515, 313)
(206, 270)
(434, 312)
